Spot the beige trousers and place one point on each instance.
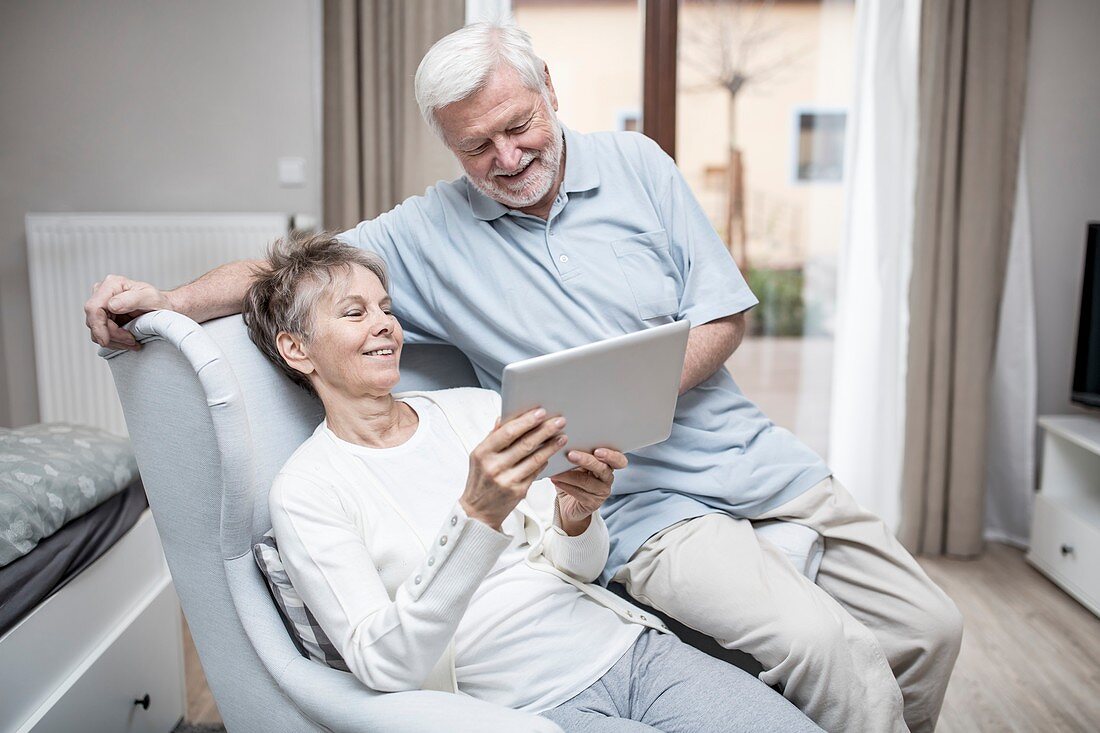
(869, 648)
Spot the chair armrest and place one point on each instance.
(338, 701)
(222, 392)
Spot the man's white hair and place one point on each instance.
(459, 65)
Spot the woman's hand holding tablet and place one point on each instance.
(618, 394)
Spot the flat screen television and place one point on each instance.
(1086, 369)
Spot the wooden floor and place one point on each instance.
(201, 707)
(1030, 657)
(1030, 660)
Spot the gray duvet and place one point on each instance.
(51, 474)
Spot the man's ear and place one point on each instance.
(294, 352)
(550, 86)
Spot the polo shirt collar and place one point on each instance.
(581, 174)
(581, 170)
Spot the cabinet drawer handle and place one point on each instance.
(1067, 550)
(143, 702)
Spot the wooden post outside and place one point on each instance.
(659, 72)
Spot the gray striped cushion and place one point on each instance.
(307, 634)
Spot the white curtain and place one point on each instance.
(868, 396)
(1010, 471)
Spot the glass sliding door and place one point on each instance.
(762, 89)
(752, 96)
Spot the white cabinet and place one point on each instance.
(1065, 530)
(79, 660)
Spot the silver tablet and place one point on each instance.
(617, 393)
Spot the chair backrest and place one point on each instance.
(211, 422)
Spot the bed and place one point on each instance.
(90, 636)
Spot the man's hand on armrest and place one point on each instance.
(117, 300)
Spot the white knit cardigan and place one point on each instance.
(393, 612)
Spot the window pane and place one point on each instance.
(762, 90)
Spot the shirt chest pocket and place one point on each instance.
(650, 272)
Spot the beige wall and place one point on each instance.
(145, 105)
(1061, 125)
(594, 52)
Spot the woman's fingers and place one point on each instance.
(503, 465)
(530, 442)
(529, 467)
(576, 502)
(582, 488)
(582, 480)
(611, 457)
(508, 432)
(529, 478)
(593, 465)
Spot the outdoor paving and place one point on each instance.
(791, 380)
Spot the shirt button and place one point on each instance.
(442, 540)
(454, 521)
(417, 580)
(431, 561)
(563, 259)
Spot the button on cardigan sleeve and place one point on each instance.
(389, 645)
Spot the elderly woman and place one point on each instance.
(414, 531)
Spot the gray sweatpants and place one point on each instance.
(663, 684)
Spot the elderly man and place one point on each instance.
(553, 239)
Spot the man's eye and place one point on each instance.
(477, 151)
(521, 128)
(353, 313)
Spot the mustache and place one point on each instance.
(523, 163)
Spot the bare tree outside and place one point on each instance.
(736, 46)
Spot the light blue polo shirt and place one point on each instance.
(626, 247)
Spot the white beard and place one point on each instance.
(537, 186)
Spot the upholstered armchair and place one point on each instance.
(211, 422)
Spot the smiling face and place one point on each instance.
(508, 140)
(355, 346)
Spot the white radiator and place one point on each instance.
(68, 253)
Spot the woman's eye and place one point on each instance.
(353, 314)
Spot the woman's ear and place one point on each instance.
(293, 350)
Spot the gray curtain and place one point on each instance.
(973, 69)
(377, 149)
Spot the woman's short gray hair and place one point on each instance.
(459, 65)
(290, 281)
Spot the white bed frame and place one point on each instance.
(80, 659)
